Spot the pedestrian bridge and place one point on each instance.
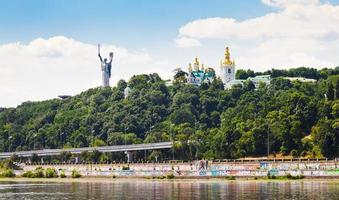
(104, 149)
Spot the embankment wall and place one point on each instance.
(198, 169)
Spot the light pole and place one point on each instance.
(268, 140)
(93, 137)
(10, 143)
(125, 129)
(150, 129)
(196, 122)
(62, 139)
(34, 136)
(172, 134)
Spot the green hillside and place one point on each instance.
(205, 121)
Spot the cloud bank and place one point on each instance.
(46, 68)
(297, 33)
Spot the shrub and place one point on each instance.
(62, 174)
(28, 174)
(7, 173)
(273, 177)
(51, 173)
(294, 153)
(114, 176)
(38, 173)
(304, 154)
(14, 158)
(9, 164)
(125, 167)
(289, 176)
(75, 174)
(170, 176)
(231, 178)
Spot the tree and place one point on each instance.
(249, 86)
(211, 71)
(65, 156)
(326, 138)
(35, 158)
(241, 74)
(330, 92)
(337, 89)
(180, 76)
(205, 121)
(182, 116)
(95, 156)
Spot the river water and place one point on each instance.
(176, 189)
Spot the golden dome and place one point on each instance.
(227, 60)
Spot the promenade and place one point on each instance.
(198, 169)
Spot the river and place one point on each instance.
(167, 189)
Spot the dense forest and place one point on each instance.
(300, 118)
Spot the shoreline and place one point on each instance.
(147, 179)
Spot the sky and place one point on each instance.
(49, 47)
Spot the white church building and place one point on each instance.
(227, 68)
(227, 73)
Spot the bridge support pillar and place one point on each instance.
(129, 155)
(77, 160)
(42, 160)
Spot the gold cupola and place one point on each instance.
(227, 60)
(196, 64)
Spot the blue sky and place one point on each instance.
(48, 47)
(130, 23)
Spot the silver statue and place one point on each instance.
(106, 68)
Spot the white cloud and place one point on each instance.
(299, 33)
(285, 3)
(186, 42)
(46, 68)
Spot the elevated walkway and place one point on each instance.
(104, 149)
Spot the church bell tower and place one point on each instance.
(227, 68)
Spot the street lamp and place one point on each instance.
(147, 132)
(62, 139)
(196, 122)
(10, 143)
(93, 137)
(125, 129)
(34, 136)
(268, 140)
(172, 134)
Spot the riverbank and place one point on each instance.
(145, 179)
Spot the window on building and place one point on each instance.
(229, 71)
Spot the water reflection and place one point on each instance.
(178, 189)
